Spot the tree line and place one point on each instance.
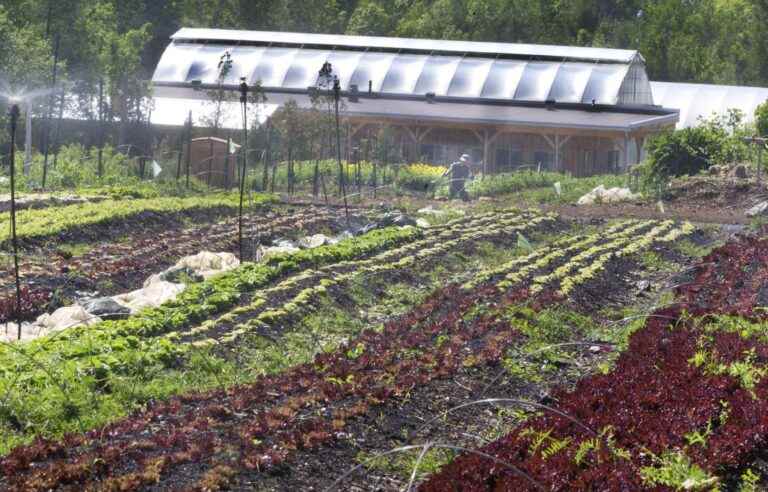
(105, 50)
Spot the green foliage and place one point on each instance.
(539, 187)
(104, 370)
(674, 469)
(53, 220)
(689, 151)
(761, 119)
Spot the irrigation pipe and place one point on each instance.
(430, 445)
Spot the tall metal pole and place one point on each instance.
(181, 152)
(336, 98)
(14, 123)
(100, 168)
(28, 139)
(244, 149)
(189, 146)
(49, 116)
(57, 135)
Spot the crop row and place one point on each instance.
(435, 243)
(519, 268)
(685, 408)
(73, 373)
(119, 267)
(260, 425)
(51, 221)
(335, 275)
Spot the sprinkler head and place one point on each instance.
(14, 114)
(243, 90)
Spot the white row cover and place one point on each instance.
(296, 68)
(701, 101)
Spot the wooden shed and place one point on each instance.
(214, 161)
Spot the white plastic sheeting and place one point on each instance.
(696, 101)
(566, 75)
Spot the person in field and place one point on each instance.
(459, 172)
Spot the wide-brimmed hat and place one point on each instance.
(465, 158)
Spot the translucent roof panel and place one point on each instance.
(334, 41)
(503, 79)
(570, 82)
(436, 75)
(304, 69)
(344, 64)
(204, 65)
(403, 74)
(604, 84)
(697, 101)
(373, 68)
(536, 81)
(244, 59)
(273, 66)
(469, 78)
(291, 68)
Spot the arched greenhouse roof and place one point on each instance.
(408, 68)
(697, 101)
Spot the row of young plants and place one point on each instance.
(69, 375)
(518, 269)
(302, 289)
(261, 425)
(51, 221)
(685, 407)
(82, 377)
(112, 268)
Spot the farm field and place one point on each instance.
(349, 365)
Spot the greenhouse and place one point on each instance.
(583, 110)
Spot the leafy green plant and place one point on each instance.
(674, 469)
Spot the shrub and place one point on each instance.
(761, 119)
(419, 176)
(689, 151)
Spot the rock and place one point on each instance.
(714, 170)
(151, 296)
(423, 223)
(105, 308)
(643, 286)
(63, 318)
(759, 209)
(595, 349)
(740, 172)
(314, 241)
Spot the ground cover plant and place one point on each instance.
(202, 439)
(684, 407)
